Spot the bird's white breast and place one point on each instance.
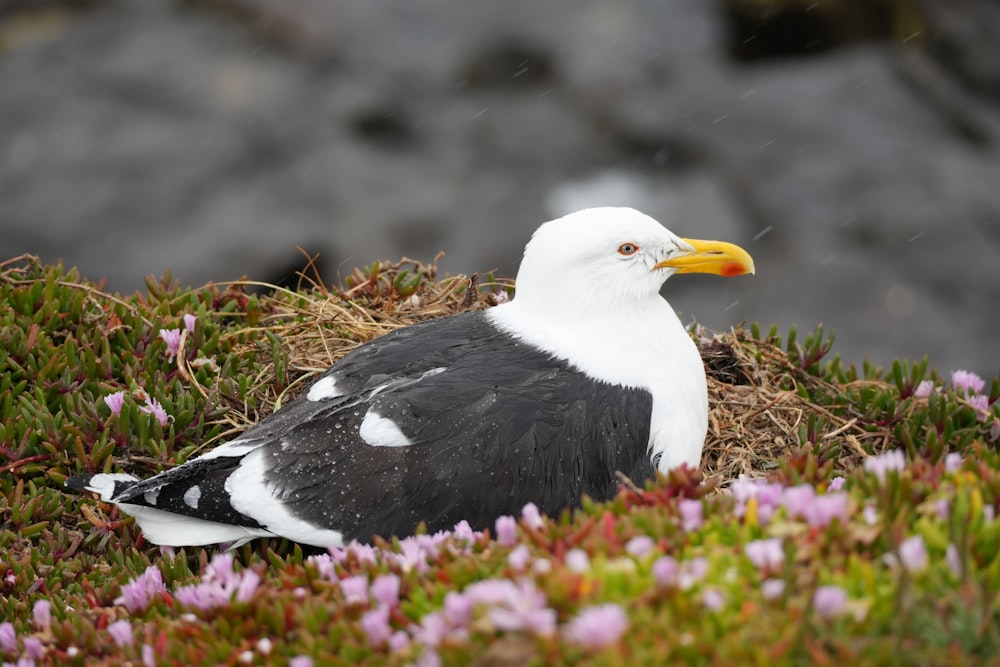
(645, 348)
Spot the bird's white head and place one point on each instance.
(614, 257)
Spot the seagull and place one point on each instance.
(585, 373)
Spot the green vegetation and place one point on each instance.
(867, 536)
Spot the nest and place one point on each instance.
(755, 413)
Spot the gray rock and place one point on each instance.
(212, 138)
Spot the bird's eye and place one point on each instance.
(627, 249)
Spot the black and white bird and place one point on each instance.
(585, 372)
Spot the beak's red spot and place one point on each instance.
(733, 269)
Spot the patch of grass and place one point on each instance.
(868, 537)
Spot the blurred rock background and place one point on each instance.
(853, 147)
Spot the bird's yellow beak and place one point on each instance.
(718, 257)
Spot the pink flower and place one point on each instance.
(665, 571)
(772, 589)
(189, 321)
(531, 516)
(514, 606)
(115, 401)
(519, 557)
(172, 337)
(8, 638)
(640, 546)
(954, 561)
(385, 590)
(923, 389)
(713, 599)
(943, 508)
(765, 554)
(829, 601)
(952, 461)
(913, 554)
(506, 527)
(458, 608)
(375, 623)
(690, 514)
(301, 661)
(836, 484)
(577, 560)
(34, 648)
(355, 589)
(148, 656)
(136, 594)
(597, 627)
(42, 613)
(967, 381)
(121, 633)
(247, 586)
(822, 510)
(154, 408)
(399, 641)
(884, 463)
(982, 406)
(691, 572)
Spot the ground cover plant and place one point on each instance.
(843, 515)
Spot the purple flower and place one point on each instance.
(136, 594)
(597, 627)
(954, 561)
(33, 647)
(765, 495)
(355, 589)
(189, 321)
(923, 389)
(913, 554)
(952, 461)
(519, 557)
(148, 656)
(967, 381)
(301, 661)
(765, 554)
(772, 589)
(942, 508)
(399, 641)
(385, 590)
(822, 510)
(154, 408)
(172, 337)
(829, 601)
(665, 571)
(433, 629)
(691, 572)
(375, 623)
(458, 608)
(463, 531)
(883, 463)
(577, 560)
(220, 569)
(836, 484)
(121, 632)
(42, 613)
(531, 516)
(713, 598)
(640, 546)
(690, 514)
(514, 606)
(247, 586)
(982, 406)
(8, 638)
(115, 401)
(506, 527)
